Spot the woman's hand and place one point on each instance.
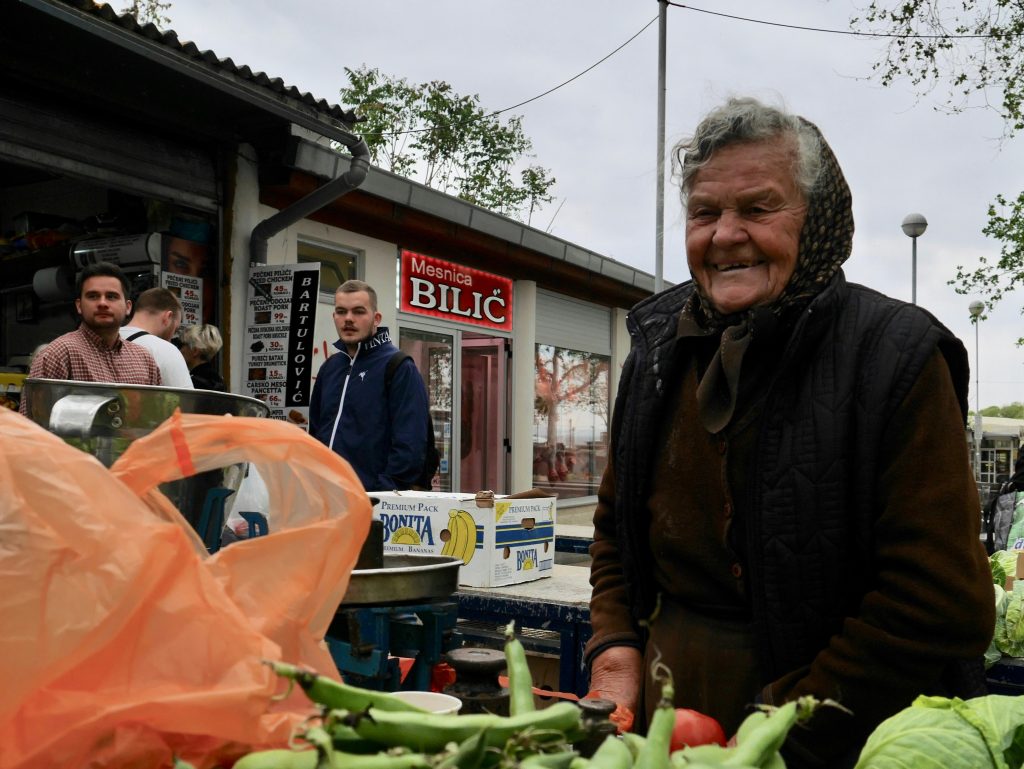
(616, 674)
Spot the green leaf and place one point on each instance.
(924, 736)
(1009, 635)
(447, 141)
(1000, 720)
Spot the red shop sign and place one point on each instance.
(451, 291)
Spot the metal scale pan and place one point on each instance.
(404, 579)
(396, 604)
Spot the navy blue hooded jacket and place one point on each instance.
(382, 435)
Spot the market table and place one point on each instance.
(1006, 676)
(571, 538)
(559, 603)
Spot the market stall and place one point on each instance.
(559, 605)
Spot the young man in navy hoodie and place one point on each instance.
(380, 427)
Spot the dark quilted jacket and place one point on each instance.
(853, 356)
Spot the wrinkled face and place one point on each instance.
(354, 318)
(743, 222)
(102, 304)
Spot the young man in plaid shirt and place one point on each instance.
(95, 352)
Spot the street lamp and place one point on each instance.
(977, 308)
(914, 226)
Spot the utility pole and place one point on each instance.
(659, 197)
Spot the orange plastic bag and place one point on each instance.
(123, 644)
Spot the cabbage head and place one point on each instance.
(1003, 563)
(1009, 635)
(940, 733)
(992, 653)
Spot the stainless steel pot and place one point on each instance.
(103, 419)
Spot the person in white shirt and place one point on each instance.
(157, 316)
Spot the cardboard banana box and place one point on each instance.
(501, 540)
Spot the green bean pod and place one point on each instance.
(520, 681)
(345, 739)
(470, 754)
(278, 759)
(655, 751)
(750, 725)
(380, 761)
(766, 737)
(611, 754)
(700, 754)
(320, 739)
(431, 732)
(560, 760)
(336, 695)
(309, 759)
(634, 743)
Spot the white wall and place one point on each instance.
(620, 349)
(524, 378)
(378, 268)
(378, 264)
(245, 214)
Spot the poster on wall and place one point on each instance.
(279, 319)
(190, 292)
(451, 291)
(188, 268)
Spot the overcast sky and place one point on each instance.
(597, 135)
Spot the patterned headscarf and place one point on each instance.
(826, 241)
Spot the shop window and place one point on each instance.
(337, 265)
(570, 419)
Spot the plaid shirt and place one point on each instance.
(82, 356)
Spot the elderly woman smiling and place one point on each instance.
(788, 508)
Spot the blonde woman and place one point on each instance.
(199, 345)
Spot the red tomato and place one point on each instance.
(694, 728)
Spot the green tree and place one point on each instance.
(429, 133)
(972, 48)
(146, 11)
(1014, 411)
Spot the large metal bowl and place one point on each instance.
(404, 579)
(103, 419)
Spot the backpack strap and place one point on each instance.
(136, 335)
(393, 363)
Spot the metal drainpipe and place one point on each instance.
(313, 202)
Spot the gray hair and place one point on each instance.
(744, 120)
(205, 339)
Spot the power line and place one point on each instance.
(581, 74)
(823, 29)
(597, 63)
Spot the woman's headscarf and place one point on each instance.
(826, 241)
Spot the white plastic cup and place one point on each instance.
(435, 702)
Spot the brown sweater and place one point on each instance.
(923, 611)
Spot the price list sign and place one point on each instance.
(190, 291)
(280, 315)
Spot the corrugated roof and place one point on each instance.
(209, 58)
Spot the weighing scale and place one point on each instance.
(403, 609)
